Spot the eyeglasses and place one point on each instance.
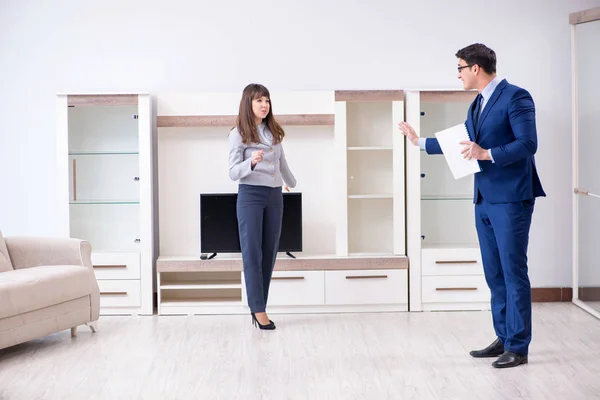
(461, 67)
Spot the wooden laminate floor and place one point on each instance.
(323, 356)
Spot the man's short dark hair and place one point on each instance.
(479, 54)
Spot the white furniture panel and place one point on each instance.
(370, 226)
(109, 227)
(456, 292)
(366, 287)
(292, 288)
(120, 293)
(117, 266)
(459, 261)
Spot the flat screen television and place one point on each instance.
(219, 227)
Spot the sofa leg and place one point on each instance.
(93, 326)
(74, 331)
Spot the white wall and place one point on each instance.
(154, 46)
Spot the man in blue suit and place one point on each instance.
(501, 125)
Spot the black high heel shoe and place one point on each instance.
(270, 326)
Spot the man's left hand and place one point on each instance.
(473, 151)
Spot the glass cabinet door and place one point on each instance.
(587, 201)
(104, 189)
(447, 210)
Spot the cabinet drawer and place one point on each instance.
(290, 288)
(455, 289)
(366, 287)
(114, 293)
(465, 261)
(116, 265)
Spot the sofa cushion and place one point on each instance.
(5, 264)
(33, 288)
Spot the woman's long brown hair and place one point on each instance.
(246, 123)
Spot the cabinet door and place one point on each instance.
(447, 211)
(587, 142)
(104, 177)
(103, 171)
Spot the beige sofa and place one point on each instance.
(46, 285)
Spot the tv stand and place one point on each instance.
(290, 254)
(203, 256)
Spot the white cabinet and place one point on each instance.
(104, 156)
(370, 173)
(347, 155)
(446, 272)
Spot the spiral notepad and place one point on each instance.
(449, 140)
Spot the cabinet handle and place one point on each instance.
(457, 262)
(449, 289)
(366, 277)
(584, 192)
(74, 180)
(113, 293)
(288, 278)
(110, 266)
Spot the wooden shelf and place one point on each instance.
(177, 264)
(102, 100)
(209, 301)
(444, 96)
(369, 95)
(166, 121)
(370, 196)
(581, 17)
(172, 286)
(370, 148)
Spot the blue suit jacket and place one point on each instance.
(507, 126)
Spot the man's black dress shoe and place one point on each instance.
(493, 350)
(509, 359)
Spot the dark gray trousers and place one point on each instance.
(259, 214)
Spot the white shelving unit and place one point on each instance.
(105, 164)
(446, 269)
(370, 165)
(352, 186)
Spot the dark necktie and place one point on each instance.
(477, 109)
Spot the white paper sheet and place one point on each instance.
(449, 140)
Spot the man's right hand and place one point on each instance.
(409, 132)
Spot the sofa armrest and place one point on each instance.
(27, 252)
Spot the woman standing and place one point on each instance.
(257, 160)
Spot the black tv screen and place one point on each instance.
(219, 228)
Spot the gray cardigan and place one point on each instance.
(272, 171)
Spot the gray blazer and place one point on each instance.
(272, 171)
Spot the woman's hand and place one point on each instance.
(257, 156)
(286, 188)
